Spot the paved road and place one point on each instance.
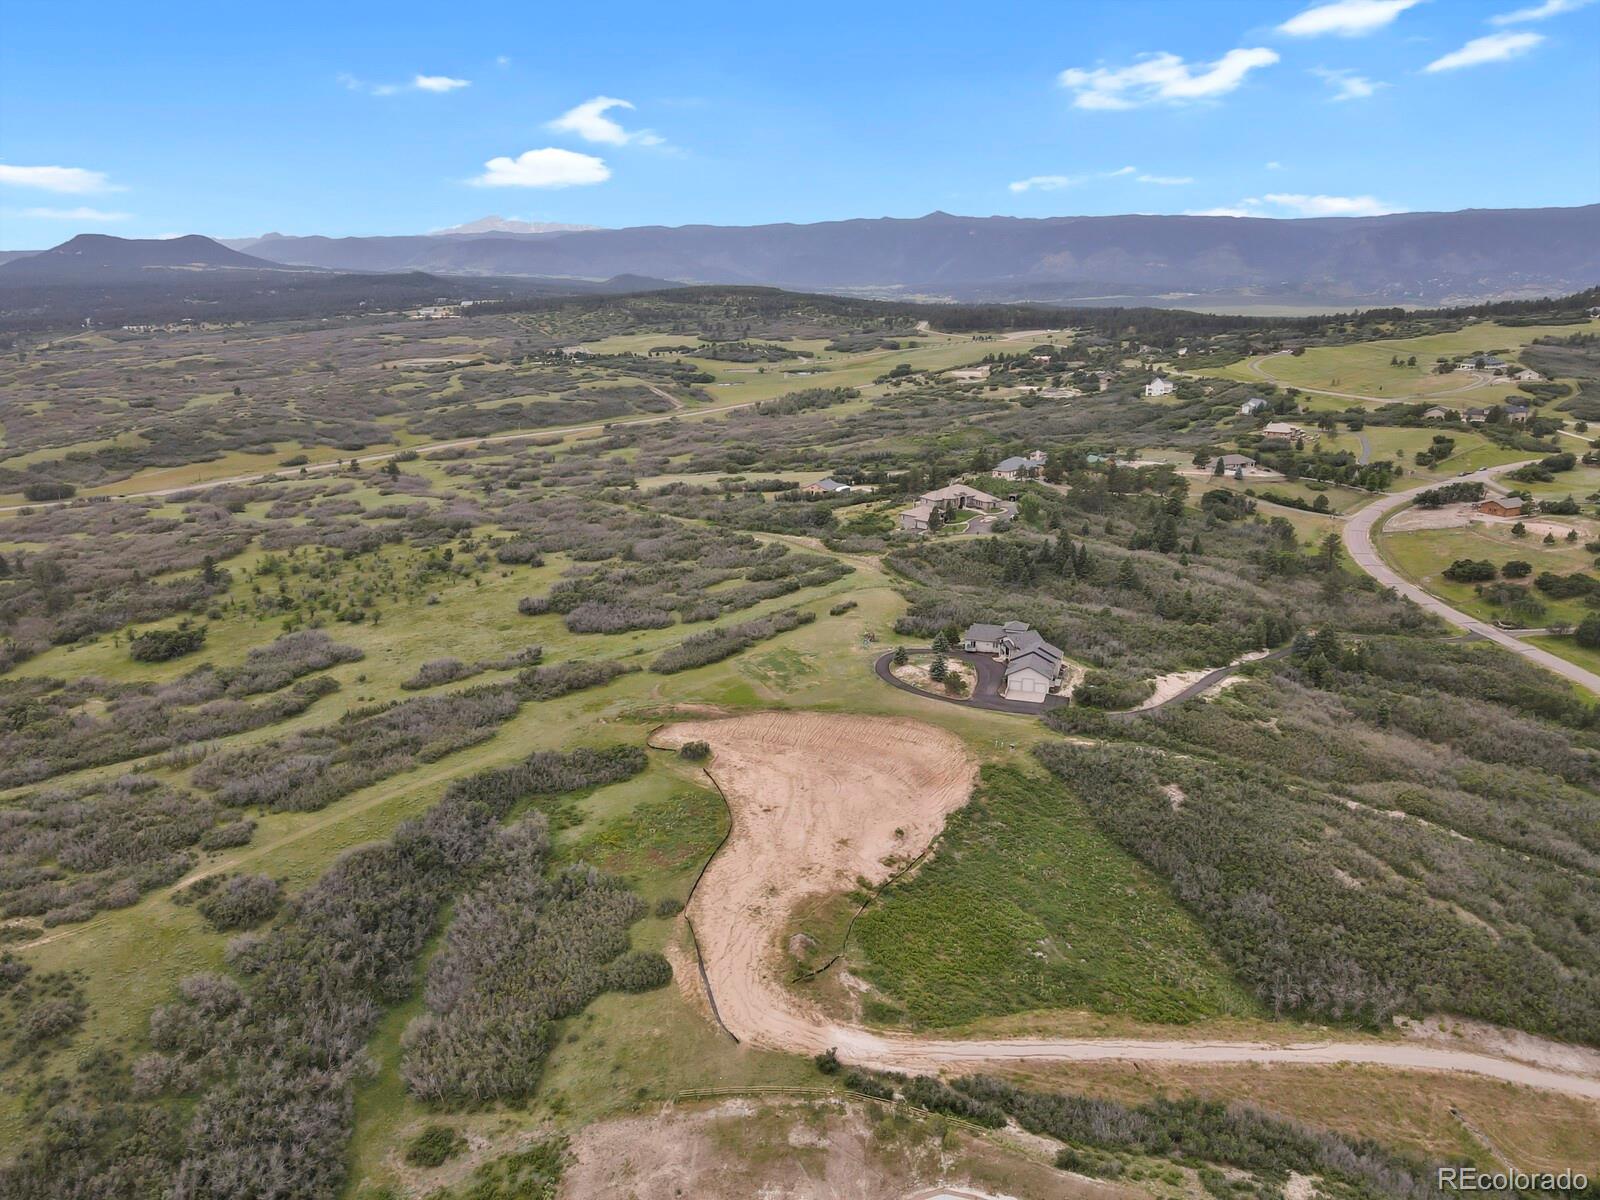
(992, 677)
(1358, 541)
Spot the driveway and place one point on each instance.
(985, 524)
(1358, 541)
(991, 678)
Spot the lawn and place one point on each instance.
(1363, 368)
(1027, 905)
(1423, 554)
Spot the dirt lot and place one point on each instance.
(738, 1148)
(818, 800)
(1454, 516)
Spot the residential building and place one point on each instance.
(1160, 387)
(824, 487)
(1495, 506)
(1527, 376)
(1232, 462)
(971, 374)
(1019, 467)
(1252, 406)
(919, 518)
(1283, 429)
(1033, 665)
(1477, 416)
(959, 495)
(1518, 413)
(1436, 413)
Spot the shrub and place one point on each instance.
(596, 617)
(225, 837)
(1517, 569)
(838, 610)
(714, 645)
(434, 1146)
(695, 751)
(1470, 570)
(159, 645)
(638, 971)
(667, 906)
(240, 902)
(438, 671)
(49, 491)
(546, 683)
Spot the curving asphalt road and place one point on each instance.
(1358, 541)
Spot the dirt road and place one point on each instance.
(1358, 541)
(819, 799)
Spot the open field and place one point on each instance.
(1422, 555)
(1363, 368)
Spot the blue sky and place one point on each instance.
(354, 118)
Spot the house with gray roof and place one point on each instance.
(1033, 665)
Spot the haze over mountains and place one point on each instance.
(1415, 258)
(1409, 257)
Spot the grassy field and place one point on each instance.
(1363, 368)
(1027, 905)
(1422, 555)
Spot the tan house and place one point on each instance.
(959, 495)
(919, 518)
(1282, 429)
(824, 487)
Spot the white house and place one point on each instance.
(1252, 406)
(1527, 376)
(1160, 387)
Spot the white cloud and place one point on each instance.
(1496, 47)
(1328, 206)
(1346, 18)
(1299, 205)
(73, 180)
(1166, 180)
(1346, 84)
(589, 121)
(1539, 12)
(1274, 166)
(438, 83)
(73, 214)
(502, 60)
(547, 168)
(1054, 183)
(1162, 77)
(1045, 183)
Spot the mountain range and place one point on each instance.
(1420, 258)
(1187, 261)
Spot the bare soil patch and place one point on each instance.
(819, 801)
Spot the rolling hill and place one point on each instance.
(100, 259)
